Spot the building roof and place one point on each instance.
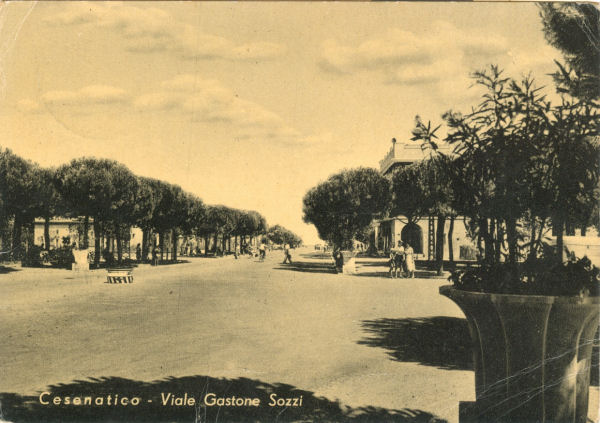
(63, 220)
(405, 154)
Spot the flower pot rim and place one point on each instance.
(452, 292)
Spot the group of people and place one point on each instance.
(402, 261)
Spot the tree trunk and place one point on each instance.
(487, 240)
(532, 241)
(450, 241)
(206, 244)
(16, 237)
(47, 233)
(86, 230)
(97, 237)
(29, 235)
(216, 243)
(497, 239)
(560, 243)
(145, 239)
(513, 246)
(161, 242)
(439, 244)
(494, 240)
(540, 233)
(511, 235)
(119, 244)
(175, 237)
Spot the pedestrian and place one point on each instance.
(287, 255)
(398, 259)
(262, 251)
(338, 259)
(409, 260)
(138, 253)
(392, 261)
(155, 254)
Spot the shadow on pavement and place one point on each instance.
(4, 270)
(380, 263)
(16, 408)
(419, 274)
(316, 255)
(442, 342)
(171, 262)
(307, 266)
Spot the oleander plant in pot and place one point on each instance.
(521, 167)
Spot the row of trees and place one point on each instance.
(279, 235)
(109, 196)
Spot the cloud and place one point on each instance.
(157, 101)
(405, 58)
(189, 97)
(29, 106)
(438, 63)
(209, 101)
(149, 30)
(92, 94)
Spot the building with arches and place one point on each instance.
(420, 234)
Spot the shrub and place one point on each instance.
(577, 277)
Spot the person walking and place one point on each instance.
(409, 260)
(138, 253)
(392, 261)
(262, 251)
(398, 259)
(155, 253)
(338, 259)
(286, 252)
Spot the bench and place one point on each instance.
(119, 275)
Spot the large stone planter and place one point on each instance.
(532, 356)
(80, 263)
(349, 267)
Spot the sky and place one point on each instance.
(247, 104)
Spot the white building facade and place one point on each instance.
(421, 234)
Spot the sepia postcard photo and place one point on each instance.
(299, 212)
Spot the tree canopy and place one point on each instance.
(346, 203)
(517, 156)
(574, 28)
(277, 234)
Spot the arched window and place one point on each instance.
(413, 234)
